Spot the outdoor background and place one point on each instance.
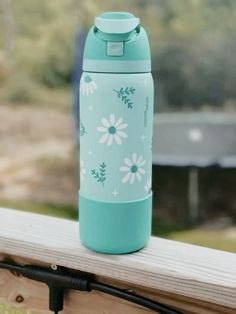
(194, 68)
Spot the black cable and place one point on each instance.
(59, 280)
(124, 294)
(10, 266)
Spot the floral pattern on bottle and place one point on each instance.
(82, 129)
(115, 141)
(133, 167)
(113, 130)
(100, 175)
(148, 185)
(124, 94)
(82, 170)
(87, 85)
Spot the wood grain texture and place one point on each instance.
(192, 275)
(23, 293)
(34, 296)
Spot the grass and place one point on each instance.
(215, 239)
(62, 211)
(208, 238)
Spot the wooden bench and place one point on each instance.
(191, 278)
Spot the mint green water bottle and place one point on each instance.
(116, 125)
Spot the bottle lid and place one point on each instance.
(116, 22)
(117, 44)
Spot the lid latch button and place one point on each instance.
(115, 48)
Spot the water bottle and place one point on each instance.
(116, 126)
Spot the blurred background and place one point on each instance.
(194, 69)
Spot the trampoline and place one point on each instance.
(194, 140)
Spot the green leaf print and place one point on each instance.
(123, 93)
(82, 129)
(101, 175)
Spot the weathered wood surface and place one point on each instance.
(32, 295)
(194, 279)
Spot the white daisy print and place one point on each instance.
(87, 85)
(148, 185)
(134, 169)
(113, 130)
(82, 170)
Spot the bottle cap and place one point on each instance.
(117, 44)
(116, 22)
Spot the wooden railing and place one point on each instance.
(190, 278)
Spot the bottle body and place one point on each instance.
(116, 126)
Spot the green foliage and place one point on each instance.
(44, 43)
(20, 89)
(194, 54)
(56, 64)
(192, 43)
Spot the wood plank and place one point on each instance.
(26, 294)
(23, 293)
(195, 273)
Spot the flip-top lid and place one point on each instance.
(116, 22)
(117, 44)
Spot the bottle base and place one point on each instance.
(115, 228)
